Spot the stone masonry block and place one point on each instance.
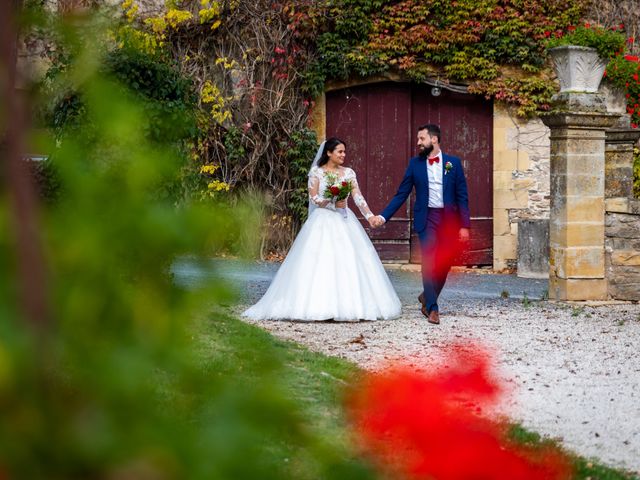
(576, 145)
(502, 119)
(502, 180)
(579, 234)
(578, 184)
(523, 183)
(578, 262)
(577, 289)
(510, 198)
(564, 163)
(505, 161)
(499, 139)
(504, 247)
(626, 258)
(501, 224)
(563, 134)
(619, 204)
(625, 290)
(570, 209)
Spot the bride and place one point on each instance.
(332, 271)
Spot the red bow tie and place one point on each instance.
(434, 160)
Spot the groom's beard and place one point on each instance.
(426, 151)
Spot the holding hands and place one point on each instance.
(376, 221)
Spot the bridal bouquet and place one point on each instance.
(337, 190)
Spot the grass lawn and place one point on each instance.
(312, 383)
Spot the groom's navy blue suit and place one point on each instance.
(434, 226)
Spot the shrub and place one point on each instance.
(607, 41)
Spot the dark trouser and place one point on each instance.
(438, 242)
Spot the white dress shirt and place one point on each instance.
(434, 172)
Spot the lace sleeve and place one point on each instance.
(314, 196)
(359, 200)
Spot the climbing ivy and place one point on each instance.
(497, 47)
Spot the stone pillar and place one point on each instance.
(576, 223)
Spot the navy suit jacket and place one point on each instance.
(454, 186)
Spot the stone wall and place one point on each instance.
(622, 210)
(520, 180)
(622, 248)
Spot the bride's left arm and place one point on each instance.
(359, 200)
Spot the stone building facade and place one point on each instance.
(521, 183)
(520, 180)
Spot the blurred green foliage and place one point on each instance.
(118, 386)
(164, 98)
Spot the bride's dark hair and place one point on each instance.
(329, 146)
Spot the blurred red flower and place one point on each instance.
(430, 425)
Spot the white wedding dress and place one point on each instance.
(332, 270)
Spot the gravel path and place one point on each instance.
(575, 372)
(574, 369)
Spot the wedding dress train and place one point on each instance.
(332, 270)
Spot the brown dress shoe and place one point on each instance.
(424, 312)
(421, 299)
(434, 317)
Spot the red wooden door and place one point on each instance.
(375, 121)
(466, 123)
(378, 122)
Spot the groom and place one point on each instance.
(440, 214)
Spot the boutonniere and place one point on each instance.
(447, 166)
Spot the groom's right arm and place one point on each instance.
(401, 195)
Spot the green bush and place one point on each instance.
(113, 387)
(299, 152)
(608, 42)
(166, 97)
(624, 72)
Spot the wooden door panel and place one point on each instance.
(374, 122)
